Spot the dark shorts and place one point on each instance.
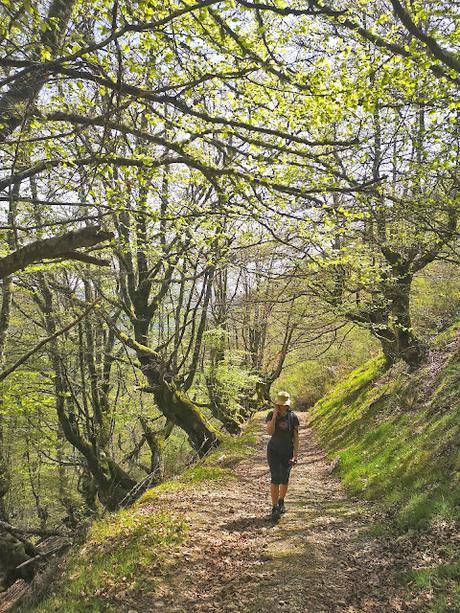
(279, 466)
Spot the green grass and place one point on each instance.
(120, 554)
(443, 580)
(198, 474)
(448, 334)
(397, 436)
(396, 446)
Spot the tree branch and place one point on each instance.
(382, 43)
(15, 102)
(44, 341)
(53, 248)
(35, 531)
(447, 58)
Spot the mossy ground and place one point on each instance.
(397, 436)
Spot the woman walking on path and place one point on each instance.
(282, 449)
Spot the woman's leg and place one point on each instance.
(285, 472)
(275, 493)
(274, 464)
(283, 490)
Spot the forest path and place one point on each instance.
(320, 557)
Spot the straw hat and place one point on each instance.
(283, 399)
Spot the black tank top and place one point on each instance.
(282, 438)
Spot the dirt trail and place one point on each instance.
(318, 558)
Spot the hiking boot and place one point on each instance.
(275, 512)
(281, 507)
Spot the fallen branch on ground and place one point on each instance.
(35, 531)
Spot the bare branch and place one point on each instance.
(444, 56)
(44, 341)
(53, 248)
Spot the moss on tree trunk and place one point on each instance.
(182, 411)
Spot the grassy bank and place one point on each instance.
(397, 436)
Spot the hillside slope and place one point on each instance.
(397, 437)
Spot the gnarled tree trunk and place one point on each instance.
(180, 409)
(112, 482)
(408, 347)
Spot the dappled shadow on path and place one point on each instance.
(248, 523)
(321, 557)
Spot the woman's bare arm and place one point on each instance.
(296, 442)
(270, 425)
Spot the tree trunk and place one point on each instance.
(258, 400)
(113, 483)
(156, 441)
(178, 408)
(409, 348)
(87, 488)
(14, 104)
(391, 323)
(218, 406)
(175, 405)
(389, 343)
(13, 552)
